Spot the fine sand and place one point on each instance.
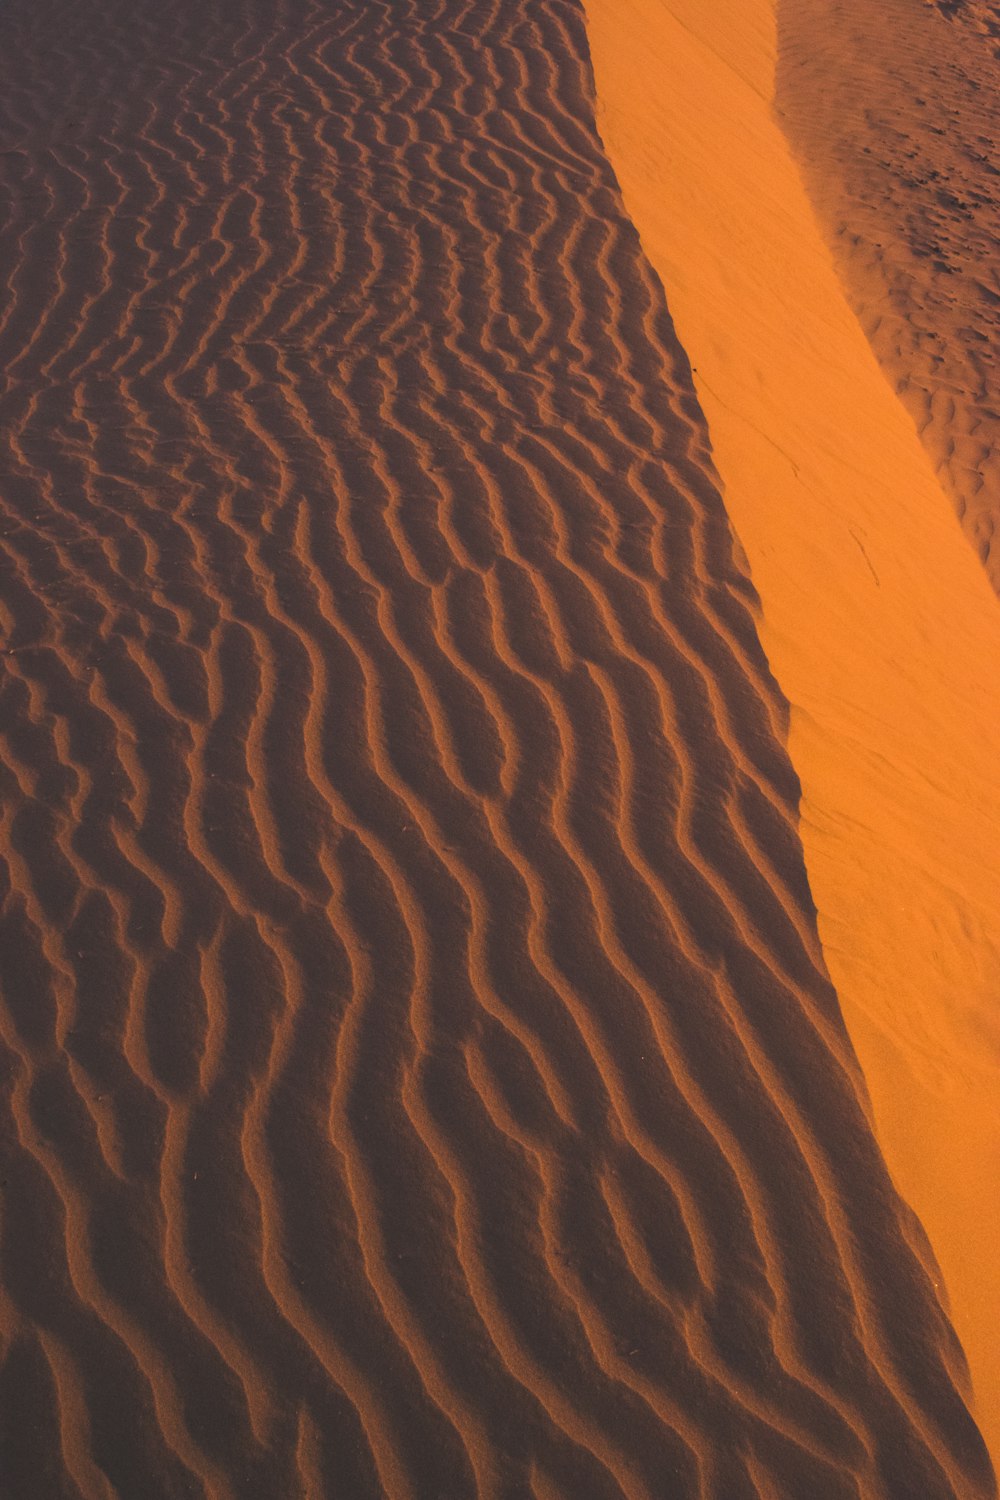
(421, 1075)
(878, 621)
(894, 112)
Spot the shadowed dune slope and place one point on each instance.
(420, 1074)
(894, 113)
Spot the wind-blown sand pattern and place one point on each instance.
(877, 619)
(894, 113)
(421, 1075)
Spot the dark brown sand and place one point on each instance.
(420, 1074)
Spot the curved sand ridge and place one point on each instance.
(894, 113)
(876, 618)
(421, 1077)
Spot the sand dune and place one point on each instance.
(421, 1076)
(894, 114)
(877, 620)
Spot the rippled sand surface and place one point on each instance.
(421, 1073)
(877, 617)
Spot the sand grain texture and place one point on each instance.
(894, 114)
(877, 619)
(421, 1077)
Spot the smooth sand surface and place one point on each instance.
(877, 619)
(420, 1074)
(894, 114)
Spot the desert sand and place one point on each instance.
(436, 862)
(897, 147)
(877, 619)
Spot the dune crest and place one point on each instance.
(894, 115)
(420, 1075)
(877, 620)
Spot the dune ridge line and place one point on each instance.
(420, 1073)
(877, 620)
(903, 183)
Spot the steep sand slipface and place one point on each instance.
(419, 1073)
(878, 621)
(894, 114)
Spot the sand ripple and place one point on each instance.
(420, 1075)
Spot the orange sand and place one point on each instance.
(877, 618)
(419, 1072)
(891, 122)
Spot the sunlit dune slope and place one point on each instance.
(893, 111)
(877, 619)
(420, 1074)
